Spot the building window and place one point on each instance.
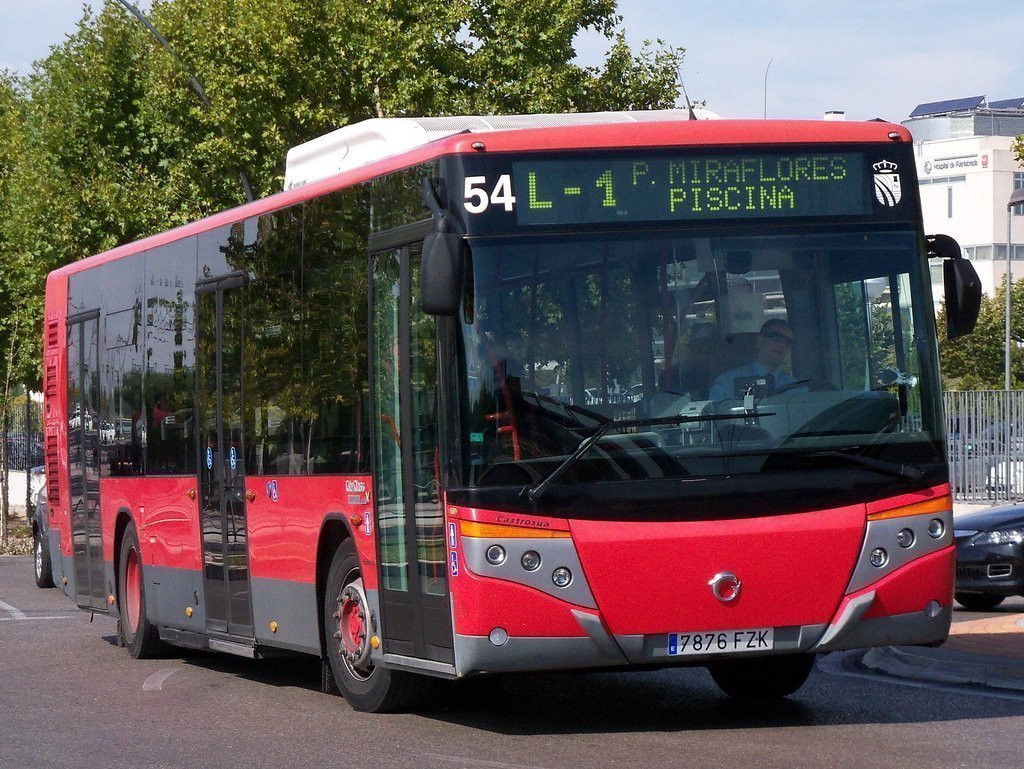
(1018, 183)
(949, 202)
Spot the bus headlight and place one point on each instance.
(530, 560)
(561, 576)
(905, 537)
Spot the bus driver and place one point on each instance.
(774, 341)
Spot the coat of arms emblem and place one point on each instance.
(887, 183)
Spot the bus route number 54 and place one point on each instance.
(477, 199)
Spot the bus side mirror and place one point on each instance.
(441, 272)
(961, 283)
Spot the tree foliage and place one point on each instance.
(107, 140)
(977, 361)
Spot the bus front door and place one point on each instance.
(219, 336)
(84, 458)
(416, 619)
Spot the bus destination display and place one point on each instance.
(694, 187)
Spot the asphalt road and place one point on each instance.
(69, 697)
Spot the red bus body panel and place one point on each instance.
(284, 533)
(914, 586)
(653, 577)
(55, 422)
(166, 518)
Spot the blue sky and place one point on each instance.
(867, 57)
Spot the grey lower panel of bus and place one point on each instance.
(292, 605)
(477, 654)
(68, 565)
(63, 567)
(169, 592)
(929, 626)
(640, 649)
(60, 565)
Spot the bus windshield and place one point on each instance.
(789, 348)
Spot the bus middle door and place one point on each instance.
(219, 355)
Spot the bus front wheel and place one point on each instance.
(762, 678)
(347, 633)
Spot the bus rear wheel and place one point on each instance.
(44, 569)
(139, 635)
(347, 632)
(762, 678)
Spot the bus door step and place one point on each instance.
(184, 638)
(233, 647)
(192, 640)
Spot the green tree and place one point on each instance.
(12, 135)
(114, 143)
(977, 361)
(280, 72)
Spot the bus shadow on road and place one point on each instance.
(687, 700)
(670, 700)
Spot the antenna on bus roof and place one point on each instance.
(193, 81)
(689, 104)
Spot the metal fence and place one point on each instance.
(985, 430)
(24, 438)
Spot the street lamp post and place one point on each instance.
(1015, 199)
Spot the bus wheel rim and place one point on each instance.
(133, 590)
(353, 630)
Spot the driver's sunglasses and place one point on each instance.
(775, 336)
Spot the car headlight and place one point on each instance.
(1000, 537)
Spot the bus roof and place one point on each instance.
(368, 141)
(597, 136)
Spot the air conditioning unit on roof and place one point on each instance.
(371, 140)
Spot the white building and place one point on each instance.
(967, 172)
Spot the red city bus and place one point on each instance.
(481, 395)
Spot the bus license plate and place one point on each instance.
(722, 642)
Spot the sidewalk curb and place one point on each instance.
(946, 666)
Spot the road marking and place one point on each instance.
(477, 762)
(47, 616)
(14, 613)
(156, 681)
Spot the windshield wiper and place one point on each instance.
(587, 443)
(913, 472)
